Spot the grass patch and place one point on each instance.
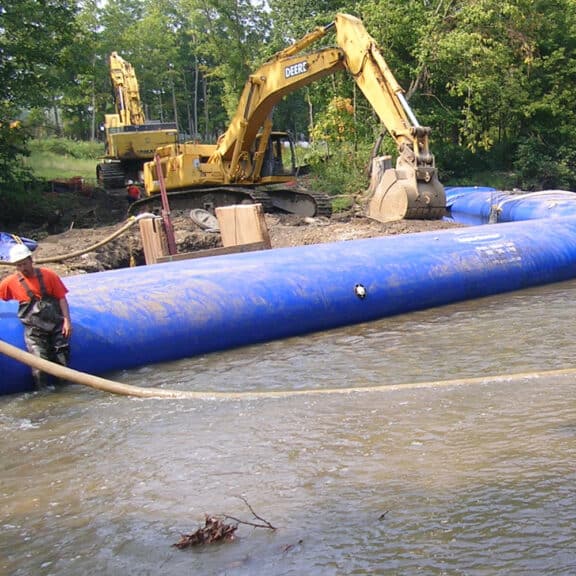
(53, 158)
(50, 166)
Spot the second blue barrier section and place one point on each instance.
(475, 205)
(137, 316)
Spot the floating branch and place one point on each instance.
(214, 530)
(263, 524)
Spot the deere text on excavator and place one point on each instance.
(131, 140)
(248, 165)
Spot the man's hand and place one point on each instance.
(66, 328)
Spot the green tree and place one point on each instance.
(229, 36)
(504, 70)
(33, 40)
(545, 155)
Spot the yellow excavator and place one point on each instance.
(131, 140)
(253, 163)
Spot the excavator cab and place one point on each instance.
(279, 156)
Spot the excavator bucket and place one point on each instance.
(405, 193)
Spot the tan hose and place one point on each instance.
(129, 223)
(127, 390)
(81, 377)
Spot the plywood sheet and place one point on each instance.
(242, 224)
(153, 239)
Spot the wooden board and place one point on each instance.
(242, 224)
(153, 239)
(253, 246)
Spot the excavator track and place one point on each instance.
(110, 175)
(205, 198)
(273, 199)
(301, 201)
(323, 204)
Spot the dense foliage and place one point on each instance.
(493, 78)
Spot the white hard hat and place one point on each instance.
(129, 182)
(19, 252)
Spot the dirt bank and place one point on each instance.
(101, 217)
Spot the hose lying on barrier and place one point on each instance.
(126, 226)
(98, 383)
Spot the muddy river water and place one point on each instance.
(375, 475)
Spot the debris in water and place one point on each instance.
(214, 530)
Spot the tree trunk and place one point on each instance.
(196, 80)
(174, 105)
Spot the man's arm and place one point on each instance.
(67, 326)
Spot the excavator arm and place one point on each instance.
(412, 189)
(126, 91)
(262, 92)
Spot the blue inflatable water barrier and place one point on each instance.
(534, 205)
(136, 316)
(8, 240)
(454, 193)
(477, 205)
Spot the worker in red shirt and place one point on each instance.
(43, 309)
(132, 192)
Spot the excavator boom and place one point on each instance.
(126, 91)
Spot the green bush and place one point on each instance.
(24, 191)
(341, 173)
(541, 167)
(24, 201)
